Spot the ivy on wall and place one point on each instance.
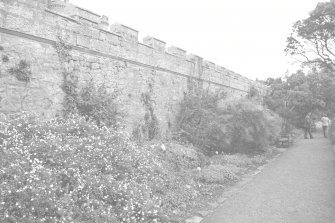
(149, 128)
(5, 58)
(70, 80)
(151, 124)
(22, 71)
(96, 103)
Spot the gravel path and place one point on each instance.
(299, 186)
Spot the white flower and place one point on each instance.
(163, 147)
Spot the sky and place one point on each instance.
(247, 37)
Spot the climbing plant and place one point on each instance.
(98, 104)
(5, 58)
(151, 124)
(95, 103)
(21, 71)
(148, 129)
(70, 80)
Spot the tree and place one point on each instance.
(295, 96)
(322, 86)
(312, 40)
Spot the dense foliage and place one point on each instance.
(237, 127)
(313, 39)
(98, 104)
(312, 43)
(299, 94)
(73, 171)
(21, 71)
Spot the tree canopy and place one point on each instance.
(312, 40)
(298, 94)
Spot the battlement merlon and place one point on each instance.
(59, 6)
(40, 4)
(177, 51)
(209, 64)
(157, 44)
(78, 13)
(64, 7)
(104, 23)
(192, 57)
(125, 31)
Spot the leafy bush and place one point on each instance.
(237, 127)
(177, 187)
(219, 174)
(74, 171)
(5, 58)
(199, 122)
(22, 71)
(253, 92)
(99, 105)
(180, 157)
(248, 127)
(239, 160)
(176, 190)
(148, 128)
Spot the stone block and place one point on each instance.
(20, 24)
(113, 39)
(125, 31)
(104, 23)
(145, 49)
(88, 15)
(83, 41)
(101, 46)
(20, 11)
(177, 51)
(121, 41)
(209, 64)
(157, 44)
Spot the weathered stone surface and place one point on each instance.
(114, 58)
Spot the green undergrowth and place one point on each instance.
(216, 125)
(73, 170)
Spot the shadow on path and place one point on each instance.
(299, 186)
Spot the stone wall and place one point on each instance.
(29, 30)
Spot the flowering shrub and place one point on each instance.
(73, 171)
(179, 157)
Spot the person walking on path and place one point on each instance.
(307, 126)
(325, 124)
